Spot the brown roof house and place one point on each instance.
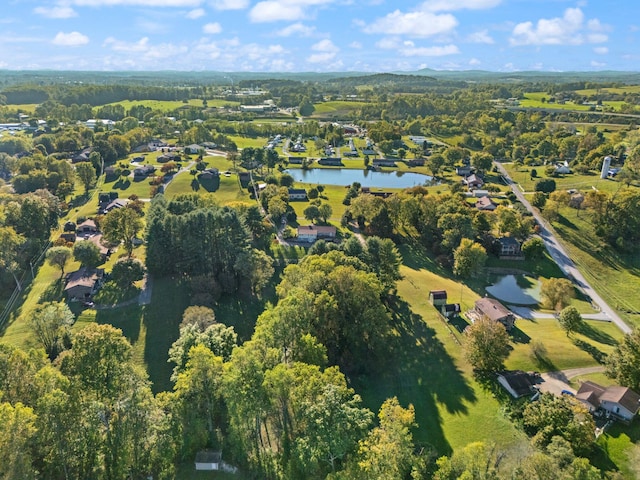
(473, 181)
(87, 227)
(485, 203)
(311, 233)
(494, 310)
(83, 283)
(620, 402)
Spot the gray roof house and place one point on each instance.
(494, 310)
(620, 402)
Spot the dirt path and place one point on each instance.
(556, 382)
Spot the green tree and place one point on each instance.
(122, 225)
(58, 257)
(533, 248)
(623, 363)
(570, 319)
(546, 185)
(557, 293)
(87, 253)
(325, 211)
(312, 213)
(10, 244)
(200, 316)
(486, 345)
(87, 175)
(468, 258)
(435, 162)
(482, 161)
(476, 461)
(306, 108)
(277, 207)
(387, 452)
(17, 433)
(563, 416)
(51, 323)
(126, 271)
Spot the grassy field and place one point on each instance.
(170, 105)
(336, 108)
(622, 447)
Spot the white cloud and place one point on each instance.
(212, 28)
(141, 45)
(601, 50)
(229, 4)
(57, 12)
(597, 64)
(451, 5)
(298, 29)
(409, 50)
(417, 24)
(566, 30)
(321, 57)
(474, 62)
(195, 13)
(388, 43)
(142, 3)
(288, 10)
(481, 37)
(355, 44)
(71, 39)
(325, 45)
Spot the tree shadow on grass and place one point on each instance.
(518, 336)
(596, 335)
(417, 369)
(127, 319)
(195, 185)
(210, 184)
(53, 293)
(597, 355)
(122, 184)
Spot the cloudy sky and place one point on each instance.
(320, 35)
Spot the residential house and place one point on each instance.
(209, 174)
(105, 252)
(81, 156)
(509, 247)
(193, 149)
(296, 160)
(438, 297)
(383, 162)
(473, 181)
(486, 204)
(208, 460)
(83, 283)
(464, 171)
(311, 233)
(88, 227)
(117, 203)
(620, 402)
(169, 157)
(562, 168)
(494, 310)
(143, 171)
(517, 383)
(331, 161)
(297, 194)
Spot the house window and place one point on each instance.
(617, 409)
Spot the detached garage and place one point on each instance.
(208, 460)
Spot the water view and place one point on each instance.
(516, 289)
(367, 178)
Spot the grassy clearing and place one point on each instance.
(424, 367)
(244, 142)
(336, 108)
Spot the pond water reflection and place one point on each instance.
(366, 178)
(516, 289)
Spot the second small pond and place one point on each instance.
(515, 289)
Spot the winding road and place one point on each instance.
(557, 382)
(560, 256)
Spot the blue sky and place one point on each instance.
(320, 35)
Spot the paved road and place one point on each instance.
(563, 260)
(556, 382)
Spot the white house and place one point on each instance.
(621, 402)
(208, 460)
(311, 233)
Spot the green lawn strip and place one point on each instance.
(600, 378)
(244, 142)
(582, 349)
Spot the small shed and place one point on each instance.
(208, 460)
(450, 310)
(438, 297)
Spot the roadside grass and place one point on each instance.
(599, 378)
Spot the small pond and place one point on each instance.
(366, 178)
(515, 289)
